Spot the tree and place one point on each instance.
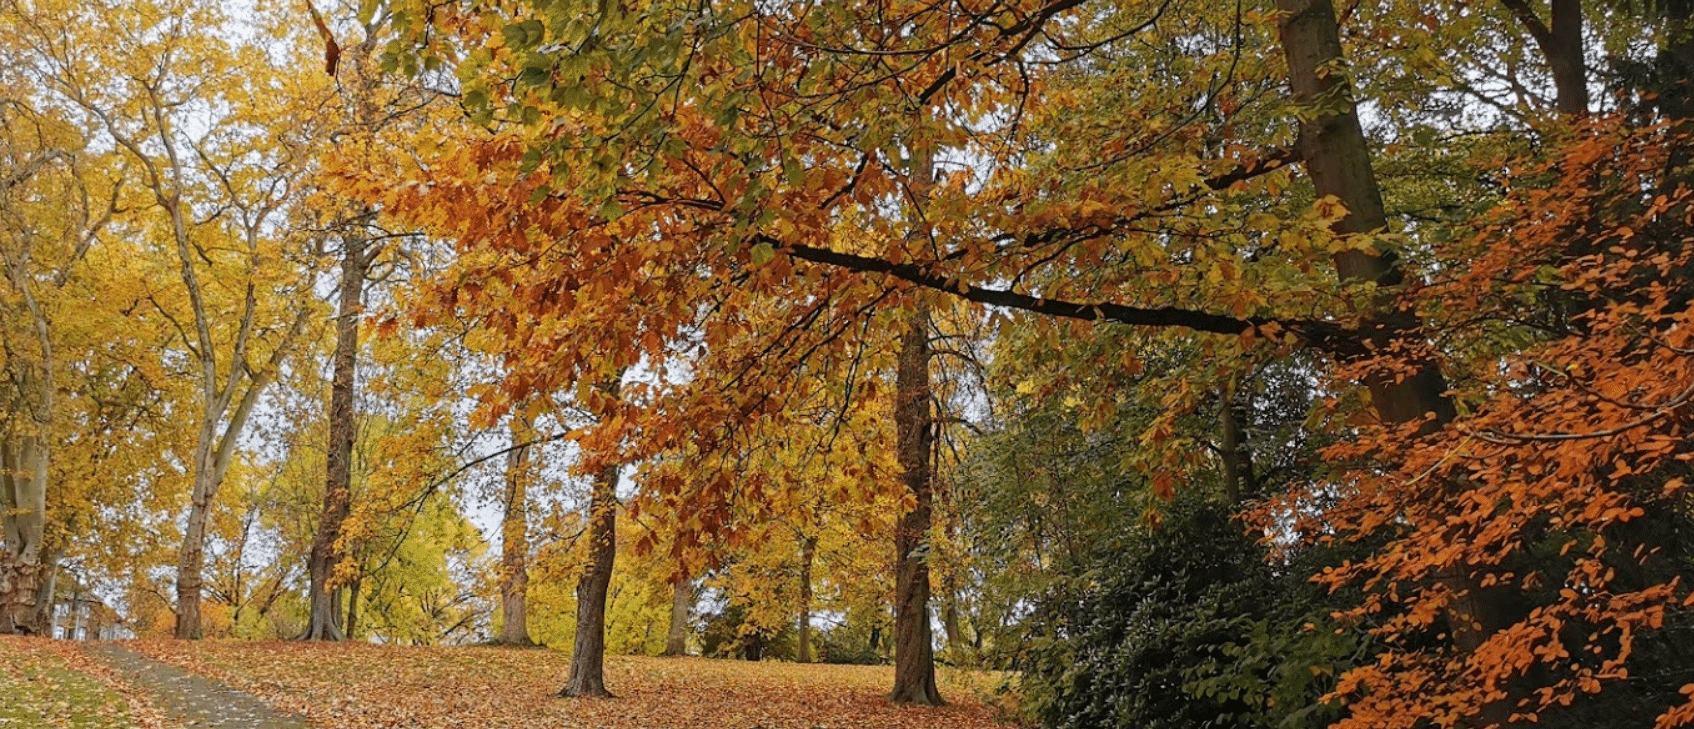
(514, 539)
(588, 651)
(236, 342)
(752, 156)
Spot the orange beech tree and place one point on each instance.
(1560, 494)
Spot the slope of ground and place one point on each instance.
(48, 683)
(362, 686)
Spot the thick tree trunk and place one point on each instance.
(588, 655)
(1570, 69)
(1337, 158)
(914, 659)
(23, 511)
(682, 596)
(514, 542)
(323, 622)
(808, 554)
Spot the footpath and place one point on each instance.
(192, 701)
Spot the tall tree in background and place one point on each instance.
(41, 247)
(237, 343)
(514, 535)
(323, 623)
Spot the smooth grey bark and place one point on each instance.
(323, 622)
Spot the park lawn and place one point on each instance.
(348, 686)
(41, 688)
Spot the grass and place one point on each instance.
(39, 688)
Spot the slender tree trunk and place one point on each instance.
(1337, 158)
(46, 593)
(914, 653)
(808, 554)
(950, 624)
(323, 622)
(682, 596)
(351, 632)
(588, 655)
(514, 542)
(1238, 478)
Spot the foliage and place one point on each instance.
(1549, 521)
(1184, 624)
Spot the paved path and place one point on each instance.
(193, 700)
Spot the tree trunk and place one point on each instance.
(914, 659)
(46, 594)
(1337, 158)
(23, 510)
(808, 554)
(682, 596)
(514, 542)
(1560, 43)
(1570, 69)
(191, 558)
(323, 622)
(351, 632)
(1237, 462)
(588, 655)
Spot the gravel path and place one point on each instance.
(193, 700)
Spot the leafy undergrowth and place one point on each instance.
(45, 683)
(362, 686)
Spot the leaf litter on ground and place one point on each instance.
(362, 686)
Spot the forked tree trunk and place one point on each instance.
(914, 653)
(808, 554)
(588, 655)
(514, 542)
(682, 596)
(323, 622)
(1337, 158)
(1560, 43)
